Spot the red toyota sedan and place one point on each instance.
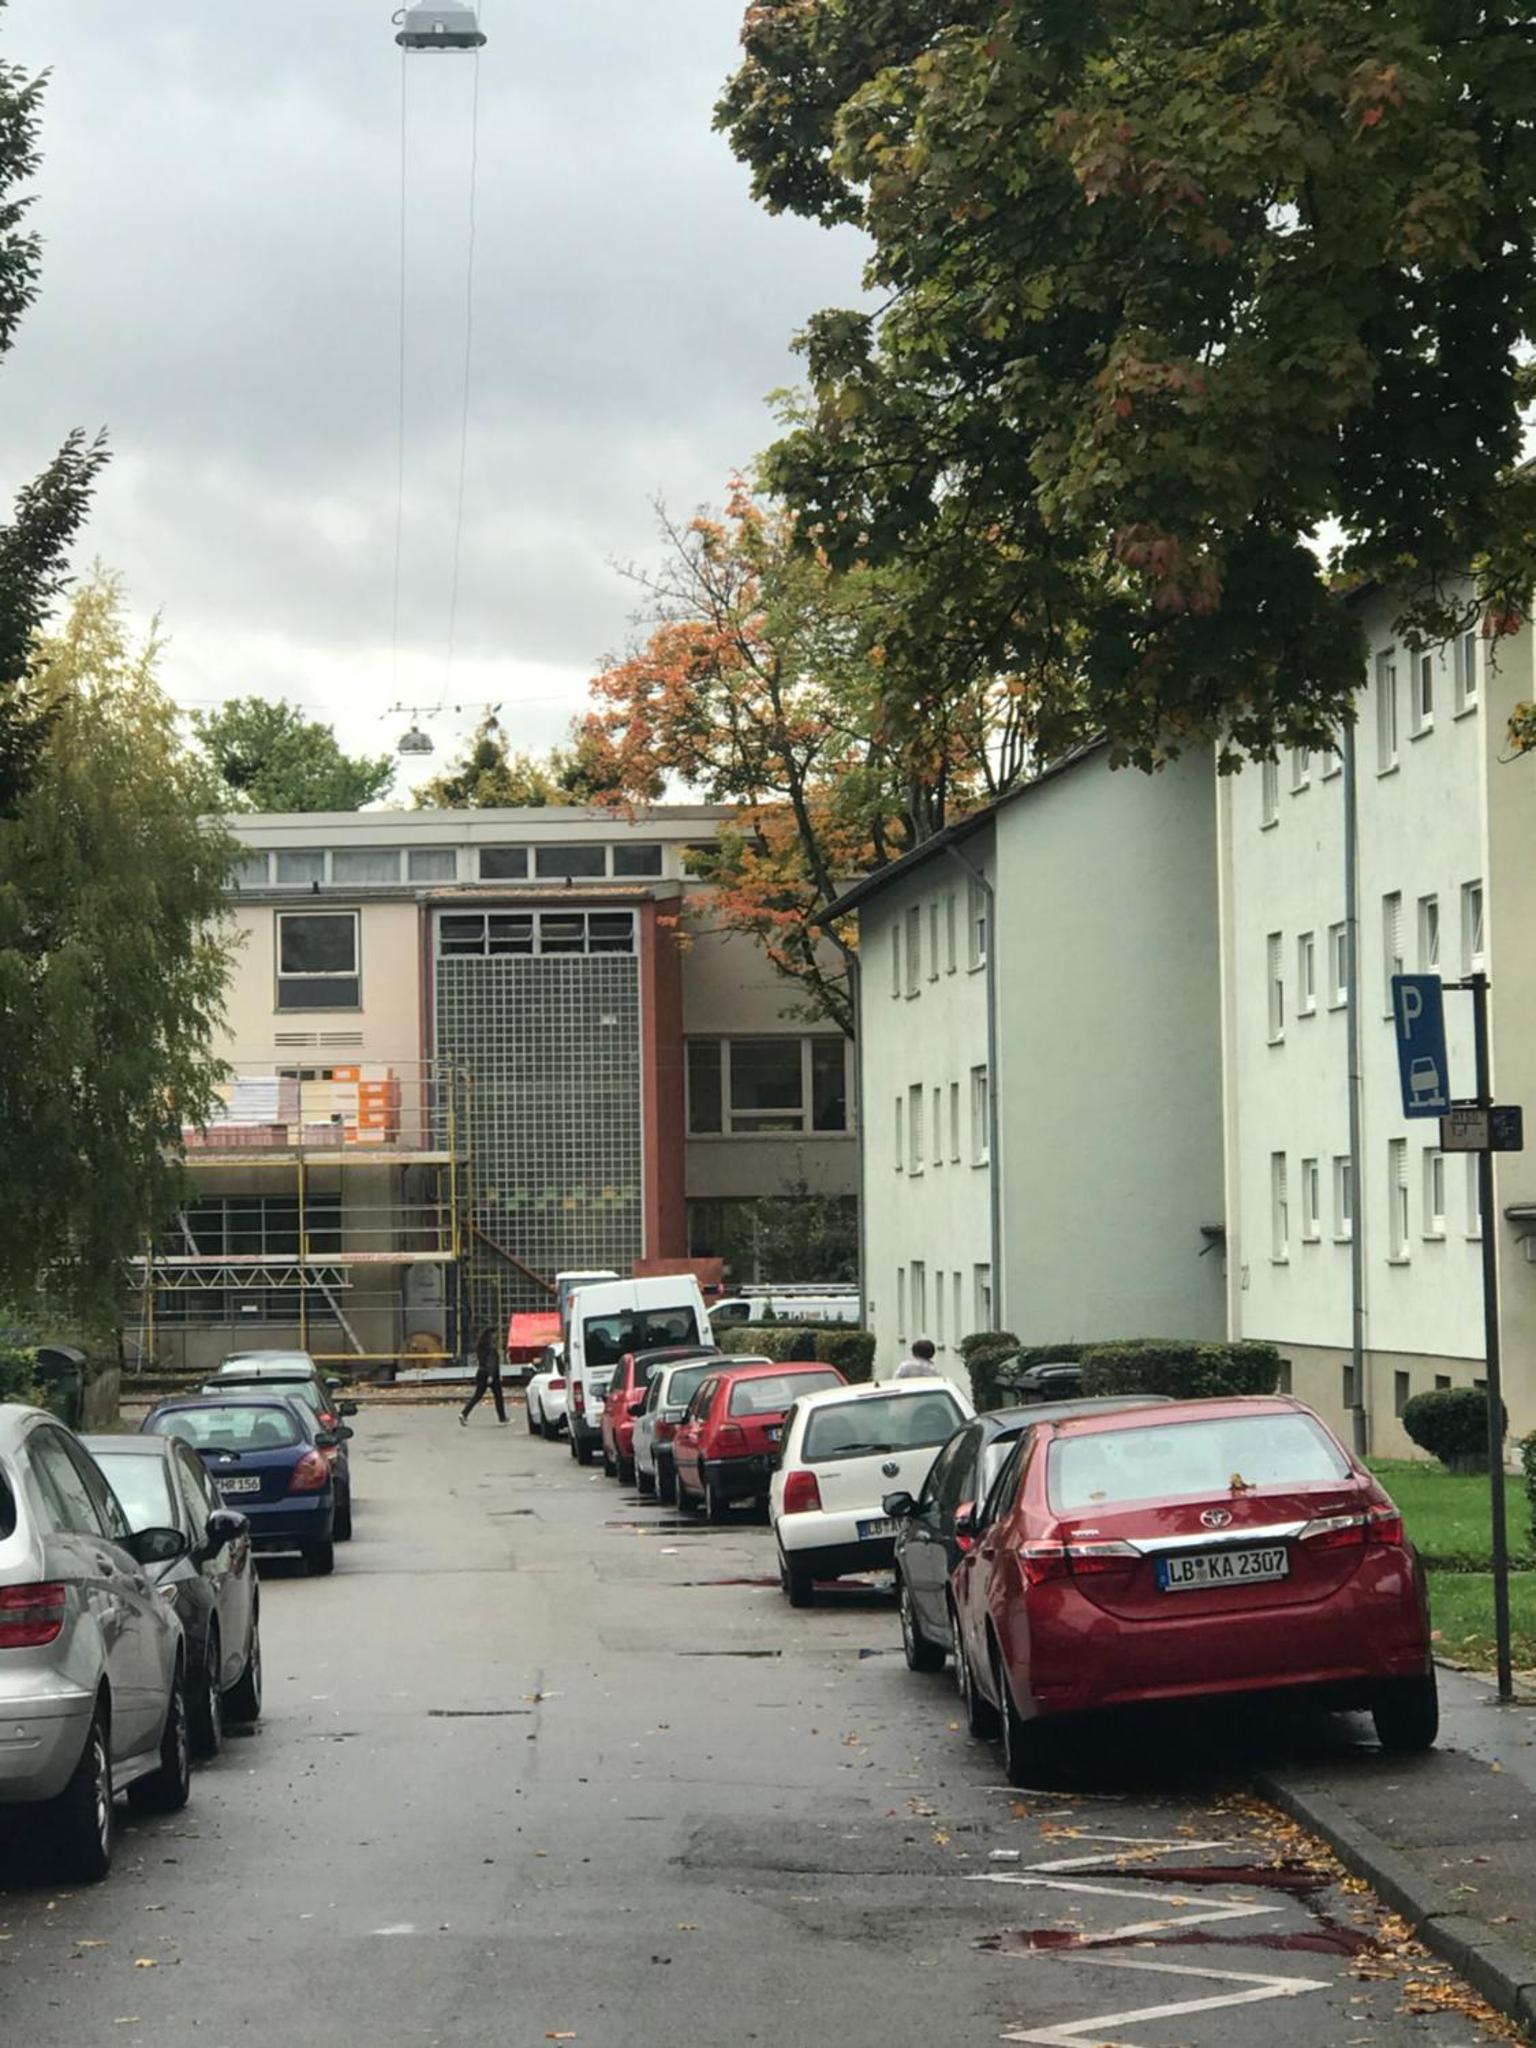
(1191, 1551)
(727, 1444)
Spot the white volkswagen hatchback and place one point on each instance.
(843, 1450)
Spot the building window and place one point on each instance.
(1402, 1392)
(915, 1129)
(637, 861)
(901, 1301)
(569, 863)
(1386, 711)
(300, 870)
(938, 1309)
(978, 923)
(981, 1118)
(1338, 965)
(362, 867)
(431, 864)
(1474, 1195)
(503, 864)
(1474, 951)
(933, 940)
(1311, 1201)
(317, 960)
(760, 1085)
(1343, 1197)
(954, 1121)
(1269, 794)
(478, 934)
(896, 958)
(1466, 672)
(938, 1127)
(982, 1276)
(1279, 1209)
(950, 921)
(914, 948)
(1333, 764)
(1422, 705)
(1429, 934)
(1391, 945)
(251, 871)
(1275, 984)
(956, 1298)
(1397, 1198)
(1434, 1193)
(1301, 768)
(1347, 1387)
(1442, 1382)
(1306, 974)
(901, 1134)
(919, 1298)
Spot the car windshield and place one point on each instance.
(888, 1422)
(772, 1394)
(142, 1484)
(607, 1338)
(1227, 1454)
(230, 1427)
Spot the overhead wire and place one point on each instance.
(469, 351)
(394, 653)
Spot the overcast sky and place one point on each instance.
(220, 200)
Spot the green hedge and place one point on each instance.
(1452, 1425)
(17, 1381)
(851, 1351)
(1185, 1371)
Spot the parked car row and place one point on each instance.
(130, 1609)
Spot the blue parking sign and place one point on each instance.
(1418, 1014)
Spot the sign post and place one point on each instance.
(1478, 985)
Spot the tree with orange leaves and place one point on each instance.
(765, 683)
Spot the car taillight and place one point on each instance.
(1335, 1532)
(730, 1436)
(1385, 1525)
(665, 1431)
(31, 1615)
(802, 1494)
(557, 1386)
(328, 1419)
(578, 1397)
(310, 1474)
(965, 1538)
(1045, 1561)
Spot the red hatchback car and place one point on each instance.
(1191, 1551)
(626, 1397)
(726, 1445)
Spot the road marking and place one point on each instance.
(1072, 2033)
(1214, 1910)
(1147, 1846)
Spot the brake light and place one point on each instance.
(557, 1385)
(1045, 1561)
(730, 1436)
(31, 1616)
(328, 1418)
(665, 1431)
(965, 1539)
(310, 1474)
(802, 1494)
(578, 1397)
(1385, 1525)
(1336, 1532)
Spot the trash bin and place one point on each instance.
(61, 1371)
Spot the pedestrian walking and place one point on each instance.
(487, 1377)
(918, 1363)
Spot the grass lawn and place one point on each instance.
(1461, 1614)
(1447, 1514)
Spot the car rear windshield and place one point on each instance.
(889, 1422)
(140, 1481)
(305, 1390)
(1115, 1468)
(231, 1427)
(607, 1338)
(7, 1508)
(772, 1394)
(686, 1380)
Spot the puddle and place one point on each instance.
(1296, 1878)
(1325, 1938)
(730, 1653)
(726, 1582)
(688, 1528)
(478, 1713)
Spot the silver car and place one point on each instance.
(92, 1688)
(670, 1390)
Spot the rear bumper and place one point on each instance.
(738, 1478)
(820, 1531)
(581, 1431)
(40, 1744)
(288, 1524)
(837, 1560)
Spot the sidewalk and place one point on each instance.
(1448, 1839)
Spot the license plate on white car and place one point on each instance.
(883, 1526)
(1222, 1568)
(239, 1485)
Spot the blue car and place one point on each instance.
(264, 1455)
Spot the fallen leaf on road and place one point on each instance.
(93, 1944)
(559, 2037)
(145, 1963)
(687, 1927)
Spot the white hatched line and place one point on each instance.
(1072, 2033)
(1148, 1846)
(1215, 1911)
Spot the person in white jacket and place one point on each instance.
(918, 1363)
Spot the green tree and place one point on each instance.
(1168, 287)
(270, 757)
(48, 513)
(489, 776)
(112, 967)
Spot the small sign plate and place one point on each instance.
(1501, 1129)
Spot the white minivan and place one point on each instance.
(607, 1318)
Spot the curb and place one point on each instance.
(1492, 1965)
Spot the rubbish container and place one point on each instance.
(61, 1371)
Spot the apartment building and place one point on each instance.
(471, 1049)
(1445, 862)
(1040, 1069)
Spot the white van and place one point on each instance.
(567, 1283)
(607, 1318)
(809, 1304)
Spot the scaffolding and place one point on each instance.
(325, 1212)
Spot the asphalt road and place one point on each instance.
(540, 1763)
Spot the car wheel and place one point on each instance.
(645, 1482)
(980, 1715)
(610, 1465)
(628, 1473)
(550, 1431)
(1407, 1714)
(168, 1786)
(207, 1703)
(1023, 1741)
(244, 1702)
(77, 1826)
(533, 1426)
(343, 1529)
(796, 1581)
(586, 1453)
(573, 1447)
(922, 1655)
(666, 1483)
(321, 1559)
(716, 1506)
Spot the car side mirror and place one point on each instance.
(899, 1506)
(346, 1407)
(156, 1546)
(345, 1435)
(334, 1380)
(225, 1526)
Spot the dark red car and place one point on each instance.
(626, 1397)
(1191, 1551)
(725, 1446)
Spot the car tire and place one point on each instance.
(981, 1717)
(1407, 1715)
(573, 1447)
(77, 1827)
(1024, 1742)
(715, 1505)
(206, 1707)
(550, 1431)
(628, 1476)
(666, 1483)
(586, 1453)
(921, 1654)
(244, 1700)
(796, 1580)
(320, 1558)
(645, 1482)
(610, 1465)
(169, 1785)
(342, 1533)
(533, 1427)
